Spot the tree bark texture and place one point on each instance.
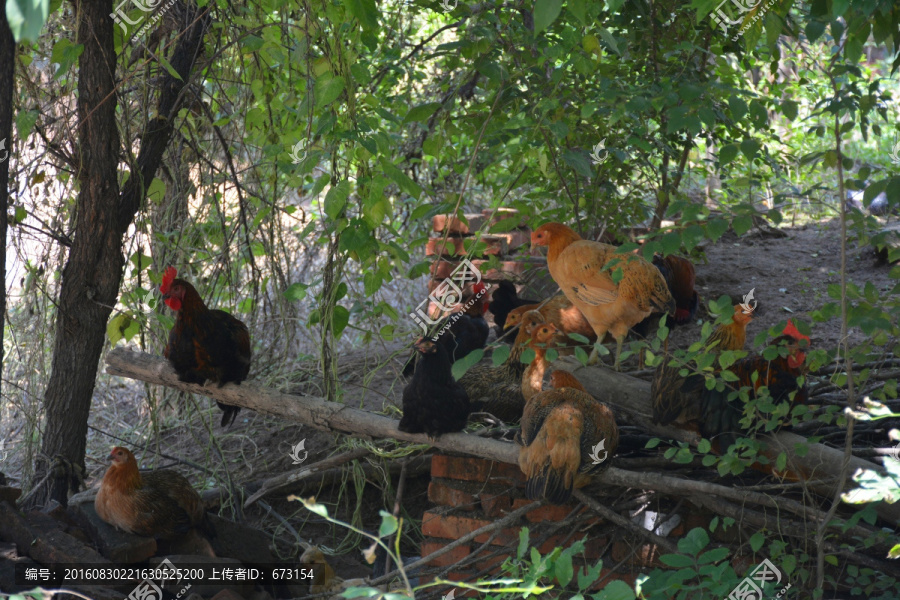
(629, 397)
(7, 85)
(93, 272)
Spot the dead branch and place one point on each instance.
(496, 525)
(616, 518)
(280, 482)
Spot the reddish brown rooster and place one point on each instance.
(721, 416)
(680, 278)
(160, 504)
(561, 429)
(674, 397)
(204, 344)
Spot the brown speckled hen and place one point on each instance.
(561, 427)
(160, 504)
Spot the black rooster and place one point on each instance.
(204, 344)
(433, 402)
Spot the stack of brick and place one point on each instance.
(510, 247)
(471, 493)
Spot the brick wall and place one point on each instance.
(511, 247)
(470, 493)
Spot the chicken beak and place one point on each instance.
(111, 457)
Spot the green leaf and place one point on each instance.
(727, 153)
(421, 112)
(607, 37)
(523, 543)
(296, 291)
(25, 120)
(750, 147)
(756, 541)
(679, 561)
(339, 320)
(563, 569)
(168, 66)
(742, 224)
(336, 199)
(499, 355)
(65, 53)
(26, 18)
(157, 190)
(616, 590)
(327, 89)
(115, 330)
(389, 524)
(365, 11)
(578, 161)
(789, 109)
(545, 12)
(696, 540)
(466, 362)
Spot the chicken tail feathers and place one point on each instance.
(229, 413)
(551, 484)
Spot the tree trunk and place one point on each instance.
(93, 273)
(90, 279)
(7, 83)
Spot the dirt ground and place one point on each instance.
(789, 275)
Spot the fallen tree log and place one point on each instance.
(820, 466)
(629, 397)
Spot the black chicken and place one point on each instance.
(204, 344)
(433, 402)
(504, 298)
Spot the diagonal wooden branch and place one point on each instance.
(310, 410)
(628, 396)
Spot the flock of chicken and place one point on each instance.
(604, 293)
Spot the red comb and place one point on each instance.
(168, 278)
(478, 287)
(791, 330)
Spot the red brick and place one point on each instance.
(473, 469)
(456, 246)
(516, 238)
(514, 267)
(647, 555)
(502, 214)
(495, 505)
(475, 222)
(549, 512)
(445, 560)
(453, 527)
(444, 495)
